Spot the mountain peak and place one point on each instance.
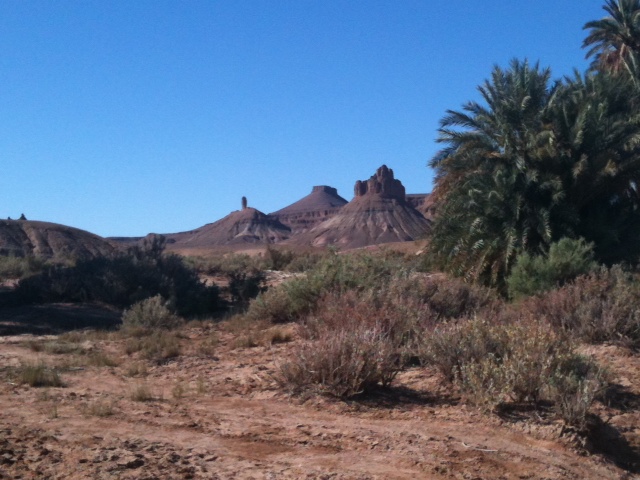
(382, 183)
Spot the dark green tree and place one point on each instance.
(497, 190)
(614, 41)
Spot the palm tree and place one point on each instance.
(614, 41)
(496, 188)
(596, 129)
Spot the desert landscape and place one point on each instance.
(489, 329)
(88, 392)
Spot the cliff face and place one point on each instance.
(49, 240)
(321, 204)
(379, 213)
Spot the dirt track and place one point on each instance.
(220, 414)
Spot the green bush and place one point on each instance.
(566, 260)
(14, 268)
(150, 313)
(335, 273)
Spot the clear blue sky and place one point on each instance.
(130, 117)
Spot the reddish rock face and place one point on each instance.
(382, 183)
(378, 214)
(321, 204)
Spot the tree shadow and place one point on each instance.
(57, 318)
(607, 440)
(398, 396)
(621, 398)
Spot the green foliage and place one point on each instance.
(567, 259)
(150, 313)
(123, 280)
(13, 268)
(614, 41)
(538, 162)
(335, 273)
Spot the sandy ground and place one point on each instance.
(216, 412)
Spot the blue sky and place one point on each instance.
(130, 117)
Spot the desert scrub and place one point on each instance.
(335, 273)
(497, 364)
(158, 346)
(39, 375)
(342, 363)
(142, 392)
(353, 344)
(151, 313)
(13, 268)
(601, 306)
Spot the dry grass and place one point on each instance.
(39, 375)
(142, 393)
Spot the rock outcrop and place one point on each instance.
(378, 214)
(321, 204)
(246, 226)
(50, 240)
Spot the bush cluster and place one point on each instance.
(496, 364)
(13, 268)
(600, 306)
(566, 260)
(123, 280)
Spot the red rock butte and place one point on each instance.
(322, 203)
(378, 214)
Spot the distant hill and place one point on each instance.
(321, 204)
(49, 240)
(246, 226)
(378, 214)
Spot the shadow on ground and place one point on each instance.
(56, 318)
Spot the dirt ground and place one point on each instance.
(216, 412)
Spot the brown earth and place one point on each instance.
(50, 240)
(217, 412)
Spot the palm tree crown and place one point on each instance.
(614, 41)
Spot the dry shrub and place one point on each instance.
(39, 375)
(601, 306)
(277, 334)
(446, 297)
(100, 408)
(158, 346)
(343, 363)
(354, 342)
(101, 359)
(248, 340)
(150, 313)
(500, 363)
(142, 393)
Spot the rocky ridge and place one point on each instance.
(50, 240)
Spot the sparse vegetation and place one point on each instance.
(123, 280)
(39, 375)
(151, 313)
